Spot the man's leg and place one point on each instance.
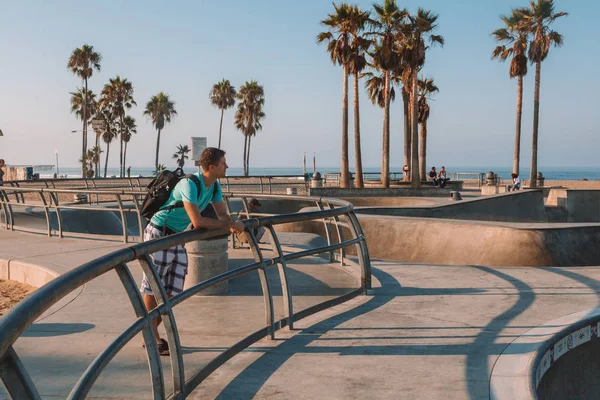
(150, 303)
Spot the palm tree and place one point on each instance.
(78, 107)
(251, 100)
(160, 109)
(536, 21)
(426, 89)
(222, 96)
(117, 95)
(338, 39)
(94, 156)
(386, 25)
(127, 128)
(82, 63)
(108, 133)
(514, 44)
(160, 168)
(415, 32)
(181, 154)
(357, 62)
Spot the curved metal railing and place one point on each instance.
(333, 212)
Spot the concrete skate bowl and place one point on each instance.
(510, 229)
(559, 360)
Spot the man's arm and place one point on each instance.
(198, 221)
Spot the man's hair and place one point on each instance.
(211, 156)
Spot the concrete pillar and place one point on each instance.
(207, 258)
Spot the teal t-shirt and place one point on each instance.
(186, 190)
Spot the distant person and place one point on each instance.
(516, 185)
(433, 176)
(129, 172)
(172, 264)
(253, 208)
(406, 172)
(442, 177)
(1, 170)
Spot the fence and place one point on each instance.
(335, 214)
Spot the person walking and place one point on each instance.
(171, 264)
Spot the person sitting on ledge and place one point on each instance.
(442, 177)
(406, 173)
(516, 183)
(433, 176)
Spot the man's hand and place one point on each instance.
(236, 226)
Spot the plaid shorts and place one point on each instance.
(170, 264)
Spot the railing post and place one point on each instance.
(270, 186)
(156, 371)
(285, 288)
(16, 380)
(327, 230)
(41, 192)
(261, 184)
(138, 213)
(123, 220)
(362, 252)
(54, 197)
(264, 283)
(169, 323)
(340, 236)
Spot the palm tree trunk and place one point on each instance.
(124, 157)
(415, 176)
(517, 154)
(248, 156)
(157, 148)
(358, 179)
(406, 102)
(221, 127)
(423, 149)
(345, 179)
(106, 161)
(121, 149)
(385, 159)
(97, 166)
(84, 139)
(536, 121)
(245, 148)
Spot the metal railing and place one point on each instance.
(17, 380)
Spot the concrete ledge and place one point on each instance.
(26, 272)
(521, 367)
(424, 191)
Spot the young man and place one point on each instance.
(516, 183)
(171, 264)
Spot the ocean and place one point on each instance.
(567, 173)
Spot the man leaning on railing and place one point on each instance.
(171, 264)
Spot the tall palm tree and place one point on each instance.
(513, 38)
(94, 154)
(426, 89)
(160, 109)
(536, 20)
(82, 63)
(249, 114)
(222, 96)
(127, 128)
(357, 62)
(338, 37)
(78, 107)
(117, 95)
(181, 154)
(385, 27)
(109, 132)
(415, 33)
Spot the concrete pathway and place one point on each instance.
(424, 332)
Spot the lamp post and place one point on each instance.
(57, 171)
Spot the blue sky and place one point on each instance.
(184, 47)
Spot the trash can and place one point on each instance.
(316, 181)
(207, 259)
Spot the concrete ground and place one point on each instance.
(423, 332)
